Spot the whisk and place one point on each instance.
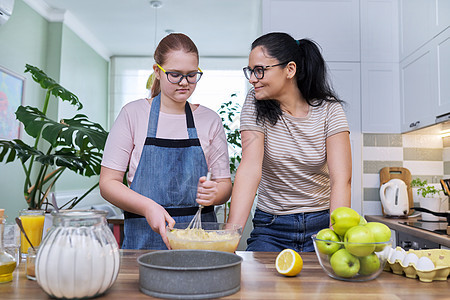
(196, 222)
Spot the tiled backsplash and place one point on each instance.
(426, 156)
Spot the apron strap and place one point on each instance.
(154, 116)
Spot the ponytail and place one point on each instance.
(156, 87)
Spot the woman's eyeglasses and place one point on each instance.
(177, 77)
(258, 70)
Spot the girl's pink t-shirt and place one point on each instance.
(127, 136)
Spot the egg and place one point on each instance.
(410, 258)
(398, 254)
(424, 264)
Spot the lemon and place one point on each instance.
(289, 262)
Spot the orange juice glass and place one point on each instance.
(33, 224)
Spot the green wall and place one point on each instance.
(29, 38)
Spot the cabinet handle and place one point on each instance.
(414, 124)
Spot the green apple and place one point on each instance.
(380, 232)
(344, 264)
(343, 218)
(359, 241)
(369, 264)
(327, 235)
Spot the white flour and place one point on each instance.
(76, 263)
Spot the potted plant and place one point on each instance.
(424, 189)
(75, 144)
(429, 197)
(229, 112)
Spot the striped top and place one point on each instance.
(295, 175)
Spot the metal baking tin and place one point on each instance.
(192, 274)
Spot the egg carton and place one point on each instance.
(439, 257)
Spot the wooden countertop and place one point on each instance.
(259, 280)
(420, 233)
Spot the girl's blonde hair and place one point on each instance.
(171, 42)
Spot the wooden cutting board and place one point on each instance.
(404, 174)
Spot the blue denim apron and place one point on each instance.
(168, 173)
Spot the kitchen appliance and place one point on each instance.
(413, 242)
(6, 9)
(394, 198)
(388, 173)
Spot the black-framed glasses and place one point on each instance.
(177, 77)
(259, 70)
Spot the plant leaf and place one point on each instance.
(77, 131)
(55, 88)
(17, 149)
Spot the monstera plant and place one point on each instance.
(75, 144)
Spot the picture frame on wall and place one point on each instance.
(12, 87)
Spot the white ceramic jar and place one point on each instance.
(79, 257)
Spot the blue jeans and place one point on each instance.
(275, 233)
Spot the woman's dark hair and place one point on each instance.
(311, 72)
(171, 42)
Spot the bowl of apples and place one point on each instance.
(353, 249)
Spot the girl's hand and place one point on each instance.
(206, 191)
(157, 217)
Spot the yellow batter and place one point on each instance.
(203, 239)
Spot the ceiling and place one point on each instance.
(132, 27)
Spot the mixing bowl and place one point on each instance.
(212, 236)
(343, 265)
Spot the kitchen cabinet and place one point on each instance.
(418, 85)
(259, 280)
(421, 20)
(442, 44)
(380, 94)
(424, 77)
(332, 24)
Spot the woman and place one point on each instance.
(168, 146)
(295, 146)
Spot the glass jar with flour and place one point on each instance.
(79, 257)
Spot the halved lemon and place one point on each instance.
(289, 262)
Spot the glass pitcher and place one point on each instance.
(79, 257)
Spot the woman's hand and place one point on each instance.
(207, 191)
(157, 217)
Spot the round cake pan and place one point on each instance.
(192, 274)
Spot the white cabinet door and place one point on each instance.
(421, 21)
(443, 68)
(418, 82)
(380, 79)
(418, 18)
(380, 94)
(379, 39)
(333, 24)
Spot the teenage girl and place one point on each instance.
(168, 146)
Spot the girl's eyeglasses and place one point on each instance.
(177, 77)
(258, 70)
